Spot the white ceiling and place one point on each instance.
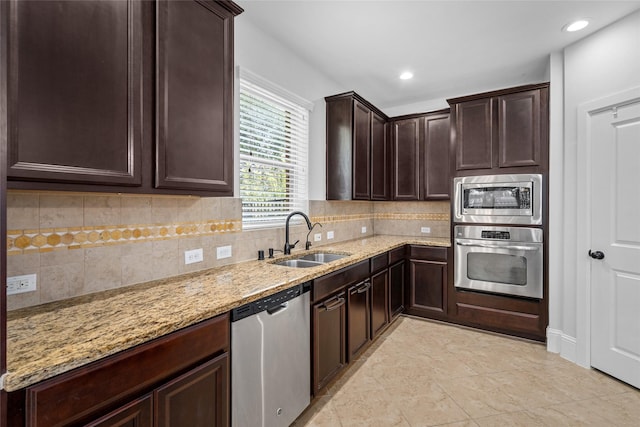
(453, 47)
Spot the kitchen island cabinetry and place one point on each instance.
(426, 285)
(183, 376)
(83, 87)
(357, 151)
(502, 131)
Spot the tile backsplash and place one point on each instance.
(80, 243)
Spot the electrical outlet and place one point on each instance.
(329, 235)
(426, 230)
(317, 237)
(20, 284)
(224, 252)
(192, 256)
(364, 230)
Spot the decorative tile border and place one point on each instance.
(413, 216)
(45, 240)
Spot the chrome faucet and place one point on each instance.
(287, 245)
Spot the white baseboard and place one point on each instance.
(558, 342)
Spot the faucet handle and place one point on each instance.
(293, 245)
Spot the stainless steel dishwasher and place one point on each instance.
(270, 359)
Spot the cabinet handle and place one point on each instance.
(364, 287)
(338, 302)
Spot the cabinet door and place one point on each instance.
(379, 302)
(136, 414)
(194, 99)
(436, 183)
(427, 287)
(329, 340)
(75, 92)
(199, 398)
(396, 289)
(474, 134)
(361, 151)
(406, 159)
(519, 136)
(380, 163)
(358, 318)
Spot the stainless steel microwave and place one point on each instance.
(498, 199)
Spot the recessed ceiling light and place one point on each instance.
(406, 75)
(576, 25)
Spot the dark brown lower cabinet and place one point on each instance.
(198, 398)
(379, 302)
(426, 286)
(396, 289)
(359, 318)
(329, 339)
(136, 414)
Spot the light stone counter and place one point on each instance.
(48, 340)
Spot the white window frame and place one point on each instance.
(298, 194)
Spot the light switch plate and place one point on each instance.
(224, 252)
(317, 237)
(193, 256)
(329, 235)
(20, 284)
(364, 230)
(425, 230)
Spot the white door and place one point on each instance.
(615, 231)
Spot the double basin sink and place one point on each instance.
(310, 260)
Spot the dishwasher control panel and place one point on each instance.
(269, 302)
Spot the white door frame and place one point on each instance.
(583, 263)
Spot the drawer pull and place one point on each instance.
(338, 302)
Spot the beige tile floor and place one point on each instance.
(423, 373)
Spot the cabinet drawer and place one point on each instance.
(92, 389)
(397, 254)
(379, 262)
(332, 282)
(428, 253)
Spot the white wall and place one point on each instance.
(602, 64)
(266, 57)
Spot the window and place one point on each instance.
(274, 139)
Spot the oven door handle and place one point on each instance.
(512, 247)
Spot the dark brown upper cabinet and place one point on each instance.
(357, 149)
(194, 107)
(380, 158)
(501, 130)
(84, 81)
(361, 151)
(420, 145)
(75, 92)
(435, 146)
(405, 145)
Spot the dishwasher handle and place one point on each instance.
(336, 303)
(277, 309)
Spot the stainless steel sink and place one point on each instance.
(323, 257)
(298, 263)
(310, 260)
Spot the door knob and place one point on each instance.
(596, 254)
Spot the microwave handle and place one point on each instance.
(517, 248)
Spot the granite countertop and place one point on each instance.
(48, 340)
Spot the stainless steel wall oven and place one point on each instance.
(501, 260)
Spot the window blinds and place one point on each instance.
(274, 138)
